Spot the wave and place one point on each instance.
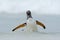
(29, 36)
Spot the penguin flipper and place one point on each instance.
(41, 24)
(22, 25)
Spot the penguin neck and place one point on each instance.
(29, 16)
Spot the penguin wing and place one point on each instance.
(22, 25)
(41, 24)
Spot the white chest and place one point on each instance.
(31, 25)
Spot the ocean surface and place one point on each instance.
(10, 21)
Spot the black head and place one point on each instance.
(28, 14)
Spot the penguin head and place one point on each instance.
(28, 12)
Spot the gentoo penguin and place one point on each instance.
(31, 24)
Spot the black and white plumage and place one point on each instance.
(31, 24)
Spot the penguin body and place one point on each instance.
(31, 24)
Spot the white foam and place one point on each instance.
(29, 36)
